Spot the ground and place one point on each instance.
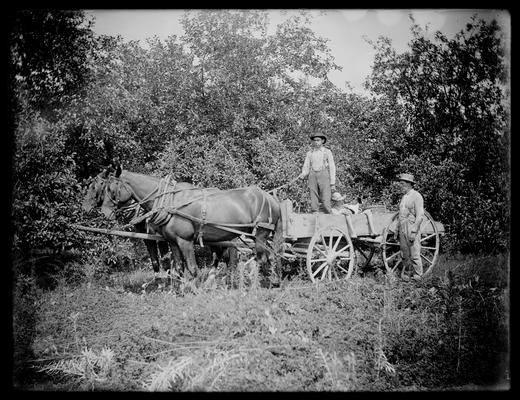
(368, 333)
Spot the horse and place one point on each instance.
(196, 214)
(157, 250)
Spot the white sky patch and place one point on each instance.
(354, 15)
(389, 17)
(344, 28)
(433, 19)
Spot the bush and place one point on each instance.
(46, 193)
(25, 319)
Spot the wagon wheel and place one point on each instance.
(430, 244)
(330, 255)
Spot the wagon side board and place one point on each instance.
(363, 225)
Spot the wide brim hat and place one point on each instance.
(406, 177)
(336, 196)
(320, 136)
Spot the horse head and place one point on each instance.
(95, 191)
(116, 195)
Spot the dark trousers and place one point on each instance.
(319, 187)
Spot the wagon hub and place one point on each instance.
(331, 258)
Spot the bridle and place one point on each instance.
(133, 196)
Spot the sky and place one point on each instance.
(346, 29)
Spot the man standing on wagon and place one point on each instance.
(320, 168)
(411, 212)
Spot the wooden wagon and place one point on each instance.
(334, 245)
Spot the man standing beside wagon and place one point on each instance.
(411, 214)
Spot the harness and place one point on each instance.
(162, 209)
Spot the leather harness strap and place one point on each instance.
(158, 218)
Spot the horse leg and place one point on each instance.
(164, 250)
(267, 257)
(231, 262)
(232, 257)
(188, 252)
(218, 255)
(177, 262)
(151, 246)
(261, 251)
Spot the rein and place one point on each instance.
(232, 228)
(273, 191)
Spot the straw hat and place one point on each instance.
(320, 135)
(336, 196)
(406, 177)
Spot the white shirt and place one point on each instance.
(320, 159)
(411, 206)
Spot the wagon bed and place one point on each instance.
(334, 244)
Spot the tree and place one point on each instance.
(248, 89)
(49, 50)
(451, 95)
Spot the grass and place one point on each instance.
(229, 334)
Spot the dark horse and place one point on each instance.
(157, 250)
(192, 215)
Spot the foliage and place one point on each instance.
(243, 90)
(364, 334)
(49, 51)
(45, 193)
(24, 321)
(451, 93)
(230, 104)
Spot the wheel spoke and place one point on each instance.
(429, 248)
(321, 251)
(336, 244)
(392, 243)
(393, 255)
(343, 269)
(428, 260)
(331, 237)
(396, 265)
(321, 267)
(428, 237)
(324, 272)
(318, 260)
(343, 249)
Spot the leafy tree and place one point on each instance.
(49, 50)
(48, 53)
(451, 95)
(246, 86)
(45, 192)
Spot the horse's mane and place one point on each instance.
(141, 175)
